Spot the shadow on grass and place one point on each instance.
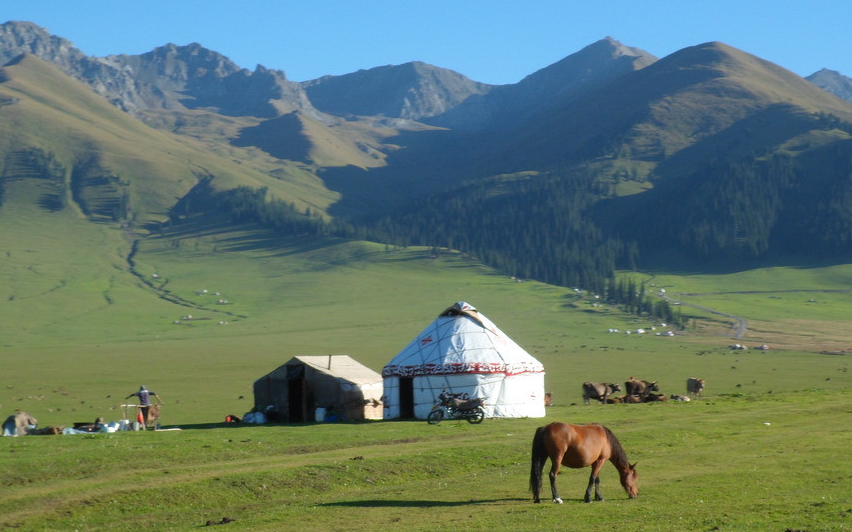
(386, 503)
(227, 425)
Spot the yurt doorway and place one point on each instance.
(406, 397)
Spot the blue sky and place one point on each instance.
(493, 41)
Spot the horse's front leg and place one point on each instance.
(594, 482)
(588, 497)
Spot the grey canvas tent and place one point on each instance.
(336, 385)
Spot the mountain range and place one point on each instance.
(610, 158)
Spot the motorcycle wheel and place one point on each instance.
(477, 417)
(435, 417)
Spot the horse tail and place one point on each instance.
(539, 457)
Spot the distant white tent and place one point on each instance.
(464, 353)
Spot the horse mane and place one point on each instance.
(618, 455)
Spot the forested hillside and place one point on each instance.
(607, 159)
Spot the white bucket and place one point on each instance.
(320, 415)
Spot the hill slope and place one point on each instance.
(665, 138)
(685, 99)
(106, 158)
(582, 159)
(581, 72)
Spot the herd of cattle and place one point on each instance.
(637, 391)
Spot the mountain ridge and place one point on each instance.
(416, 154)
(580, 72)
(97, 146)
(833, 82)
(417, 90)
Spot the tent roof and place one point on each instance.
(461, 340)
(340, 366)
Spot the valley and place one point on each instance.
(194, 227)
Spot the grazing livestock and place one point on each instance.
(681, 398)
(579, 446)
(153, 416)
(655, 397)
(640, 387)
(599, 390)
(694, 387)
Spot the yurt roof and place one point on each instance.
(461, 340)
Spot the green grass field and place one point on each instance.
(750, 462)
(764, 450)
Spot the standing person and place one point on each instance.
(144, 395)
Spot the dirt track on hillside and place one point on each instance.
(740, 325)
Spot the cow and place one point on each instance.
(640, 388)
(694, 387)
(153, 416)
(599, 390)
(655, 397)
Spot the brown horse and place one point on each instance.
(579, 446)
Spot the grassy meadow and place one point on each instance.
(765, 449)
(753, 462)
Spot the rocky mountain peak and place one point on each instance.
(411, 90)
(834, 82)
(168, 77)
(100, 74)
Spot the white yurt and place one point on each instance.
(462, 352)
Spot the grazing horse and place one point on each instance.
(579, 446)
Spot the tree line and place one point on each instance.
(533, 228)
(763, 207)
(623, 292)
(540, 226)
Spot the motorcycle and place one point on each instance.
(457, 406)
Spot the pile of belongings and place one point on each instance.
(99, 426)
(19, 424)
